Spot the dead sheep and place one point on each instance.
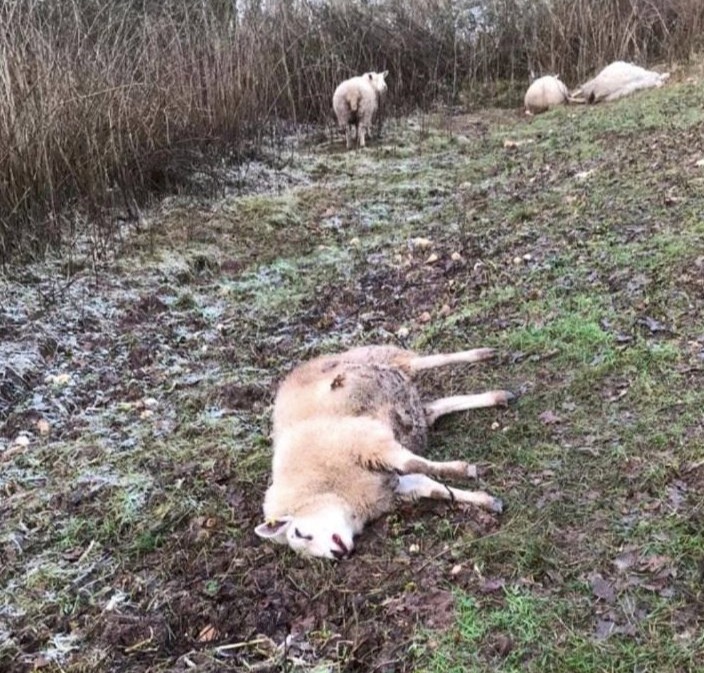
(355, 103)
(544, 93)
(347, 433)
(617, 80)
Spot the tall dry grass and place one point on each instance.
(103, 102)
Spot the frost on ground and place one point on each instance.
(135, 401)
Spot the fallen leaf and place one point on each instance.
(604, 628)
(58, 379)
(655, 563)
(513, 144)
(207, 634)
(653, 325)
(421, 243)
(72, 554)
(502, 645)
(43, 426)
(491, 585)
(625, 561)
(549, 418)
(603, 589)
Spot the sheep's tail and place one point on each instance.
(353, 101)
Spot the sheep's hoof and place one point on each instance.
(510, 398)
(496, 505)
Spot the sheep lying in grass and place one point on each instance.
(616, 81)
(356, 101)
(544, 93)
(347, 432)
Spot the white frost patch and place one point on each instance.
(63, 644)
(116, 600)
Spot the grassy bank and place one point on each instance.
(571, 242)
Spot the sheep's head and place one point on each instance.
(378, 81)
(325, 533)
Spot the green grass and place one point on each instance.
(129, 525)
(522, 631)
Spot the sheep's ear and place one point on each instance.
(384, 74)
(273, 528)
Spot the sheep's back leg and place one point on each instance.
(348, 135)
(422, 362)
(361, 131)
(448, 405)
(415, 486)
(394, 456)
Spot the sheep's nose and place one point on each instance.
(342, 550)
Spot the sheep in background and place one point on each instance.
(544, 93)
(356, 101)
(347, 430)
(616, 81)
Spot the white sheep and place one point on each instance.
(347, 430)
(356, 101)
(544, 93)
(617, 80)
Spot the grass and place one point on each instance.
(126, 527)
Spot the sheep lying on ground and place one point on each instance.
(616, 81)
(347, 432)
(356, 101)
(544, 93)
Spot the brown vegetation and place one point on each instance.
(105, 101)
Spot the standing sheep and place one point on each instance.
(616, 81)
(347, 432)
(356, 101)
(544, 93)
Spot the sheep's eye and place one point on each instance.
(303, 537)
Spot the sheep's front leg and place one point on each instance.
(448, 405)
(415, 486)
(394, 456)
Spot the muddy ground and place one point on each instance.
(135, 400)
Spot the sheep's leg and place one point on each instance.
(361, 130)
(421, 362)
(448, 405)
(394, 456)
(415, 486)
(348, 135)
